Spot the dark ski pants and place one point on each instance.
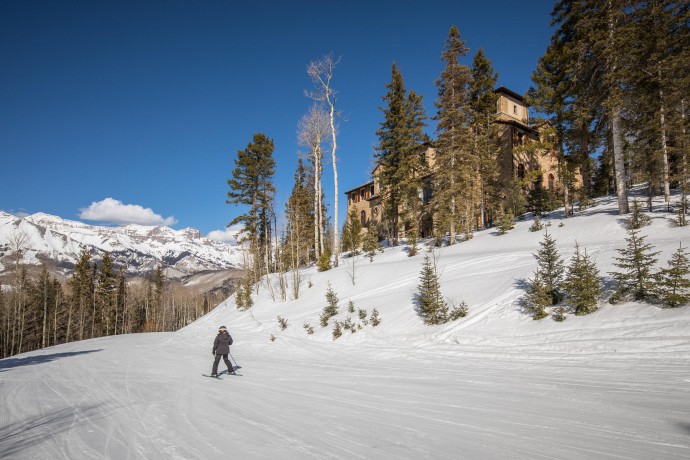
(217, 360)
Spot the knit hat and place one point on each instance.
(222, 328)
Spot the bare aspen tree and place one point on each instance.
(311, 133)
(321, 73)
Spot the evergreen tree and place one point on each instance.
(538, 297)
(506, 222)
(582, 284)
(483, 111)
(550, 267)
(400, 155)
(252, 186)
(370, 244)
(455, 190)
(432, 307)
(673, 283)
(331, 308)
(638, 218)
(352, 230)
(105, 291)
(636, 261)
(300, 220)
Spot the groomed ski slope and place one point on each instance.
(492, 385)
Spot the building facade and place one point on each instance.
(514, 132)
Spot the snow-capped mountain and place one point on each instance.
(139, 248)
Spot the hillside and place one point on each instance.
(493, 385)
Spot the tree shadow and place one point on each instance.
(18, 436)
(685, 426)
(11, 363)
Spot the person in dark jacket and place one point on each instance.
(221, 347)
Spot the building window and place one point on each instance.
(514, 109)
(363, 218)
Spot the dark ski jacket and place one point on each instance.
(221, 346)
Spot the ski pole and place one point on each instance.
(231, 357)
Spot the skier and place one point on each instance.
(221, 347)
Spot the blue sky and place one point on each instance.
(133, 111)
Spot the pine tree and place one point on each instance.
(331, 308)
(673, 283)
(375, 318)
(252, 186)
(400, 156)
(432, 307)
(483, 105)
(352, 230)
(550, 267)
(636, 261)
(537, 297)
(638, 218)
(455, 191)
(506, 222)
(582, 284)
(370, 244)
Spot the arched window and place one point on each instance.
(552, 183)
(363, 217)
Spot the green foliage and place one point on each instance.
(375, 318)
(673, 284)
(350, 306)
(337, 330)
(413, 242)
(283, 323)
(370, 244)
(582, 284)
(331, 308)
(550, 267)
(559, 313)
(324, 262)
(537, 297)
(537, 225)
(273, 338)
(401, 139)
(457, 311)
(362, 314)
(352, 230)
(309, 329)
(636, 261)
(506, 222)
(638, 218)
(432, 307)
(541, 200)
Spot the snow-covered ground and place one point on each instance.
(492, 385)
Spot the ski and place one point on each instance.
(212, 376)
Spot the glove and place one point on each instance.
(213, 352)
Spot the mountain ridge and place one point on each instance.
(138, 248)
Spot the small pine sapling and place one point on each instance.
(559, 314)
(337, 330)
(324, 262)
(673, 287)
(273, 338)
(638, 218)
(309, 329)
(331, 308)
(636, 262)
(362, 313)
(375, 318)
(457, 311)
(283, 323)
(537, 297)
(351, 307)
(582, 284)
(537, 225)
(506, 222)
(432, 307)
(550, 267)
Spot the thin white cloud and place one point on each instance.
(115, 212)
(229, 235)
